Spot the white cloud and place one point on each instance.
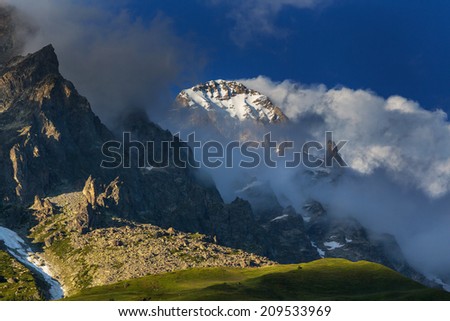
(255, 17)
(394, 134)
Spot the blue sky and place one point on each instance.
(391, 47)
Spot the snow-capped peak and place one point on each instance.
(231, 98)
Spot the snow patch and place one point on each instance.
(307, 219)
(348, 240)
(280, 217)
(332, 245)
(18, 248)
(319, 251)
(249, 186)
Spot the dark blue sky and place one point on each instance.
(391, 47)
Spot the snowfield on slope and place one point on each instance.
(18, 248)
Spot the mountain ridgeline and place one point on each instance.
(54, 190)
(227, 109)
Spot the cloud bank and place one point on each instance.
(394, 134)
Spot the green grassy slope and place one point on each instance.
(16, 282)
(326, 279)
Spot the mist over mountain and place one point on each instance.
(14, 32)
(397, 181)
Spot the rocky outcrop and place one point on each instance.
(42, 208)
(105, 255)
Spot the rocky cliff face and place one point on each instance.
(50, 138)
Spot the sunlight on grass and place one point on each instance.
(325, 279)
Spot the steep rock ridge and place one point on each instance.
(50, 139)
